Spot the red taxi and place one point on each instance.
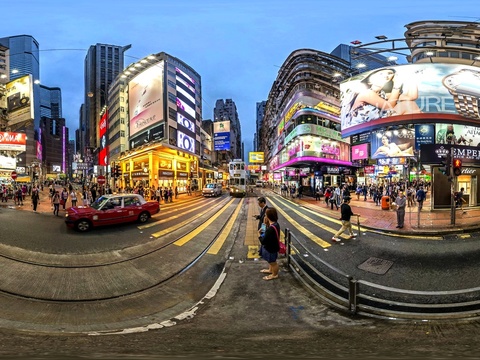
(111, 209)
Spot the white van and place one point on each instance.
(213, 189)
(259, 183)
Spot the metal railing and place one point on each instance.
(356, 296)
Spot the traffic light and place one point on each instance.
(446, 164)
(118, 170)
(457, 167)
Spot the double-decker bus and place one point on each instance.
(237, 181)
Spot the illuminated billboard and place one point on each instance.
(221, 135)
(256, 157)
(457, 135)
(145, 97)
(185, 142)
(360, 152)
(20, 100)
(13, 141)
(393, 144)
(102, 131)
(416, 92)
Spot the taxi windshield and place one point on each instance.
(97, 204)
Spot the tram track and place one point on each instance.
(99, 278)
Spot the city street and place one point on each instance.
(241, 313)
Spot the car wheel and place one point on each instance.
(83, 225)
(143, 217)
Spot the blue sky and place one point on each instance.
(237, 46)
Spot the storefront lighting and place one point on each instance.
(404, 131)
(127, 72)
(395, 132)
(132, 69)
(379, 135)
(137, 65)
(388, 133)
(151, 57)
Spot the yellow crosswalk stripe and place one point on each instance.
(217, 245)
(183, 240)
(302, 229)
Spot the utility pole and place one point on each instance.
(453, 186)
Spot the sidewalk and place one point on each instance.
(427, 222)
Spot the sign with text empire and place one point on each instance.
(435, 153)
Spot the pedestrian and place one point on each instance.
(420, 196)
(270, 241)
(64, 197)
(158, 194)
(170, 194)
(346, 214)
(328, 194)
(19, 196)
(409, 196)
(262, 203)
(459, 200)
(401, 202)
(73, 197)
(35, 198)
(176, 192)
(56, 202)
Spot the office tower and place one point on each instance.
(24, 61)
(50, 102)
(362, 59)
(103, 63)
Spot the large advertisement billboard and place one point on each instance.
(401, 94)
(145, 97)
(13, 141)
(256, 157)
(221, 135)
(20, 100)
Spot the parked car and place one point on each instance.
(259, 183)
(110, 210)
(213, 189)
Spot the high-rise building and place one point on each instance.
(103, 63)
(362, 59)
(227, 111)
(260, 112)
(23, 59)
(50, 102)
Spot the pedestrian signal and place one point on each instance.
(445, 165)
(457, 167)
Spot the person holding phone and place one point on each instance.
(262, 203)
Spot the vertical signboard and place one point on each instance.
(221, 135)
(102, 131)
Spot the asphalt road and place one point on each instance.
(241, 317)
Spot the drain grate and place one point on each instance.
(376, 265)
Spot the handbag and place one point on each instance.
(283, 248)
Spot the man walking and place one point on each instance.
(401, 202)
(347, 213)
(420, 196)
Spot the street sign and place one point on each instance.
(101, 179)
(13, 175)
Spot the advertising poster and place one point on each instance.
(402, 93)
(393, 144)
(424, 134)
(20, 100)
(360, 152)
(145, 96)
(13, 141)
(221, 135)
(102, 128)
(457, 135)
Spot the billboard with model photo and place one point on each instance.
(393, 144)
(403, 93)
(145, 98)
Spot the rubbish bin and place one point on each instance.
(385, 202)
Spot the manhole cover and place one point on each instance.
(376, 265)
